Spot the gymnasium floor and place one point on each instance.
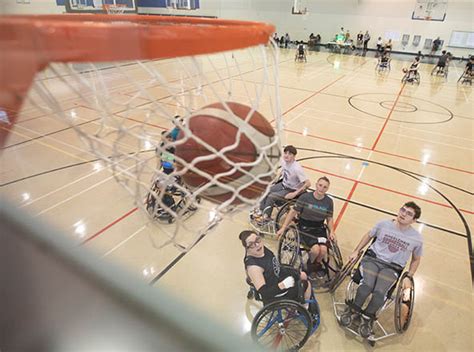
(381, 144)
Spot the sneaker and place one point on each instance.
(365, 327)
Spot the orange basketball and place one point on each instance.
(248, 153)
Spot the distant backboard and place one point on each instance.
(430, 10)
(97, 6)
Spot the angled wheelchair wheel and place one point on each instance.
(289, 247)
(336, 255)
(282, 212)
(404, 303)
(343, 273)
(282, 326)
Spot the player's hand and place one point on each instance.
(279, 233)
(290, 195)
(288, 282)
(332, 236)
(353, 256)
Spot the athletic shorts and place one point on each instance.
(313, 235)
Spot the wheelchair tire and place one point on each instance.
(336, 254)
(282, 212)
(289, 248)
(282, 325)
(401, 322)
(345, 271)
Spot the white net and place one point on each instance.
(115, 9)
(173, 180)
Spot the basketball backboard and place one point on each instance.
(97, 6)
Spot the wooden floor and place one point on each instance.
(381, 144)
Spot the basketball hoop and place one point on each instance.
(161, 66)
(114, 9)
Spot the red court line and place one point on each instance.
(381, 152)
(387, 189)
(388, 117)
(343, 210)
(109, 226)
(312, 95)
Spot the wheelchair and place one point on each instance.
(440, 71)
(285, 324)
(401, 295)
(411, 77)
(300, 57)
(466, 78)
(383, 66)
(175, 198)
(291, 251)
(281, 206)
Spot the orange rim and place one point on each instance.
(29, 43)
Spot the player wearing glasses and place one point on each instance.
(271, 280)
(394, 242)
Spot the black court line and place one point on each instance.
(48, 134)
(376, 102)
(450, 114)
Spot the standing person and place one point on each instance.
(275, 38)
(287, 40)
(366, 39)
(379, 45)
(394, 242)
(315, 210)
(436, 46)
(294, 183)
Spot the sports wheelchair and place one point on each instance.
(466, 77)
(284, 324)
(300, 56)
(165, 202)
(411, 77)
(383, 66)
(401, 295)
(281, 206)
(291, 251)
(440, 71)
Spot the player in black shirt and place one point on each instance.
(270, 279)
(315, 210)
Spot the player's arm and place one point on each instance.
(288, 219)
(415, 262)
(330, 225)
(255, 274)
(363, 242)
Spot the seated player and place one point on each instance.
(315, 210)
(166, 151)
(413, 70)
(442, 62)
(468, 70)
(300, 52)
(272, 281)
(384, 60)
(395, 242)
(294, 182)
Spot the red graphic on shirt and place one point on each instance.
(395, 244)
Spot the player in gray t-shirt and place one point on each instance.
(394, 242)
(293, 183)
(315, 210)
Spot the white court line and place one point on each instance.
(124, 241)
(82, 192)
